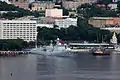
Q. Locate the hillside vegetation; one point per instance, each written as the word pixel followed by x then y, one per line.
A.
pixel 19 12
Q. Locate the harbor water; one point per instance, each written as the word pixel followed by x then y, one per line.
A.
pixel 81 67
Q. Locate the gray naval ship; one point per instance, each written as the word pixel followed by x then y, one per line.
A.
pixel 57 50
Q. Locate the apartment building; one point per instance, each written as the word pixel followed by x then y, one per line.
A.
pixel 13 29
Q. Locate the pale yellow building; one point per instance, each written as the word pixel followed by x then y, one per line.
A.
pixel 37 6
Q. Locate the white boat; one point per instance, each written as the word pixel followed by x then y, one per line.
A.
pixel 57 50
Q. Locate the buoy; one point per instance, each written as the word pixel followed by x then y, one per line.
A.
pixel 11 74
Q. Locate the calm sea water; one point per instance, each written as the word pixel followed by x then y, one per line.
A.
pixel 82 67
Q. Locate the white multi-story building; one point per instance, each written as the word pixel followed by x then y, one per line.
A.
pixel 65 23
pixel 13 29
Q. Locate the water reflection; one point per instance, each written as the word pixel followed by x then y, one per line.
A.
pixel 82 67
pixel 22 68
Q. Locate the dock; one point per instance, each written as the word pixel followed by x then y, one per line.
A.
pixel 13 53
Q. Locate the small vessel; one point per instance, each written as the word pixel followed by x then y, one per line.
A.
pixel 57 50
pixel 100 51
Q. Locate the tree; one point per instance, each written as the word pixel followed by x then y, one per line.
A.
pixel 13 44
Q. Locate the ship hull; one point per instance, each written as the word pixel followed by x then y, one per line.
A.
pixel 61 53
pixel 101 52
pixel 95 54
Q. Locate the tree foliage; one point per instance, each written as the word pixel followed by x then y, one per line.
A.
pixel 19 12
pixel 82 32
pixel 16 44
pixel 88 10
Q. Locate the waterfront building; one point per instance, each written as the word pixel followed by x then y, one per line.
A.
pixel 65 23
pixel 13 29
